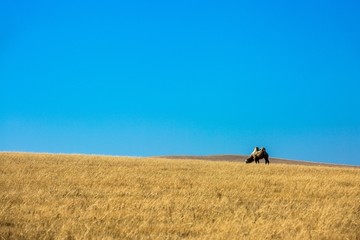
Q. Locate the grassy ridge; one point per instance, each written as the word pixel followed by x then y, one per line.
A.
pixel 75 196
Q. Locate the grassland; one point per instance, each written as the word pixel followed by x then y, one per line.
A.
pixel 45 196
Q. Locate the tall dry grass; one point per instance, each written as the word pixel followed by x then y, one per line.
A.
pixel 46 196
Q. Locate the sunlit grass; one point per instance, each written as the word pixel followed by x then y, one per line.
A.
pixel 46 196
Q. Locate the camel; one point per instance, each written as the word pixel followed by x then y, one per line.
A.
pixel 258 154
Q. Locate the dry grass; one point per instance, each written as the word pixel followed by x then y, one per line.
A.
pixel 93 197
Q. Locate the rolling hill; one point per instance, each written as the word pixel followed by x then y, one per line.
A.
pixel 241 158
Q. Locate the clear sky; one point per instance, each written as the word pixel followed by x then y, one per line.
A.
pixel 181 77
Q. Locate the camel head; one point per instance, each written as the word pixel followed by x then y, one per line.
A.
pixel 249 160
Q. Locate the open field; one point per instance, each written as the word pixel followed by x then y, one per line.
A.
pixel 50 196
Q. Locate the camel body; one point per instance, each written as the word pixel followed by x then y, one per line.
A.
pixel 258 154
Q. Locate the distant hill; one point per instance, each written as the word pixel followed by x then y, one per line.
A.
pixel 241 158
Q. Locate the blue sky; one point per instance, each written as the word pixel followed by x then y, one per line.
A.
pixel 181 77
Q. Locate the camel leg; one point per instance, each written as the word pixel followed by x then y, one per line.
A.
pixel 267 161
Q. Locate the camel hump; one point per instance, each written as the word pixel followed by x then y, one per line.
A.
pixel 256 149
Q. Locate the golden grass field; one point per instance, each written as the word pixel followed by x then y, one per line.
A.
pixel 52 196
